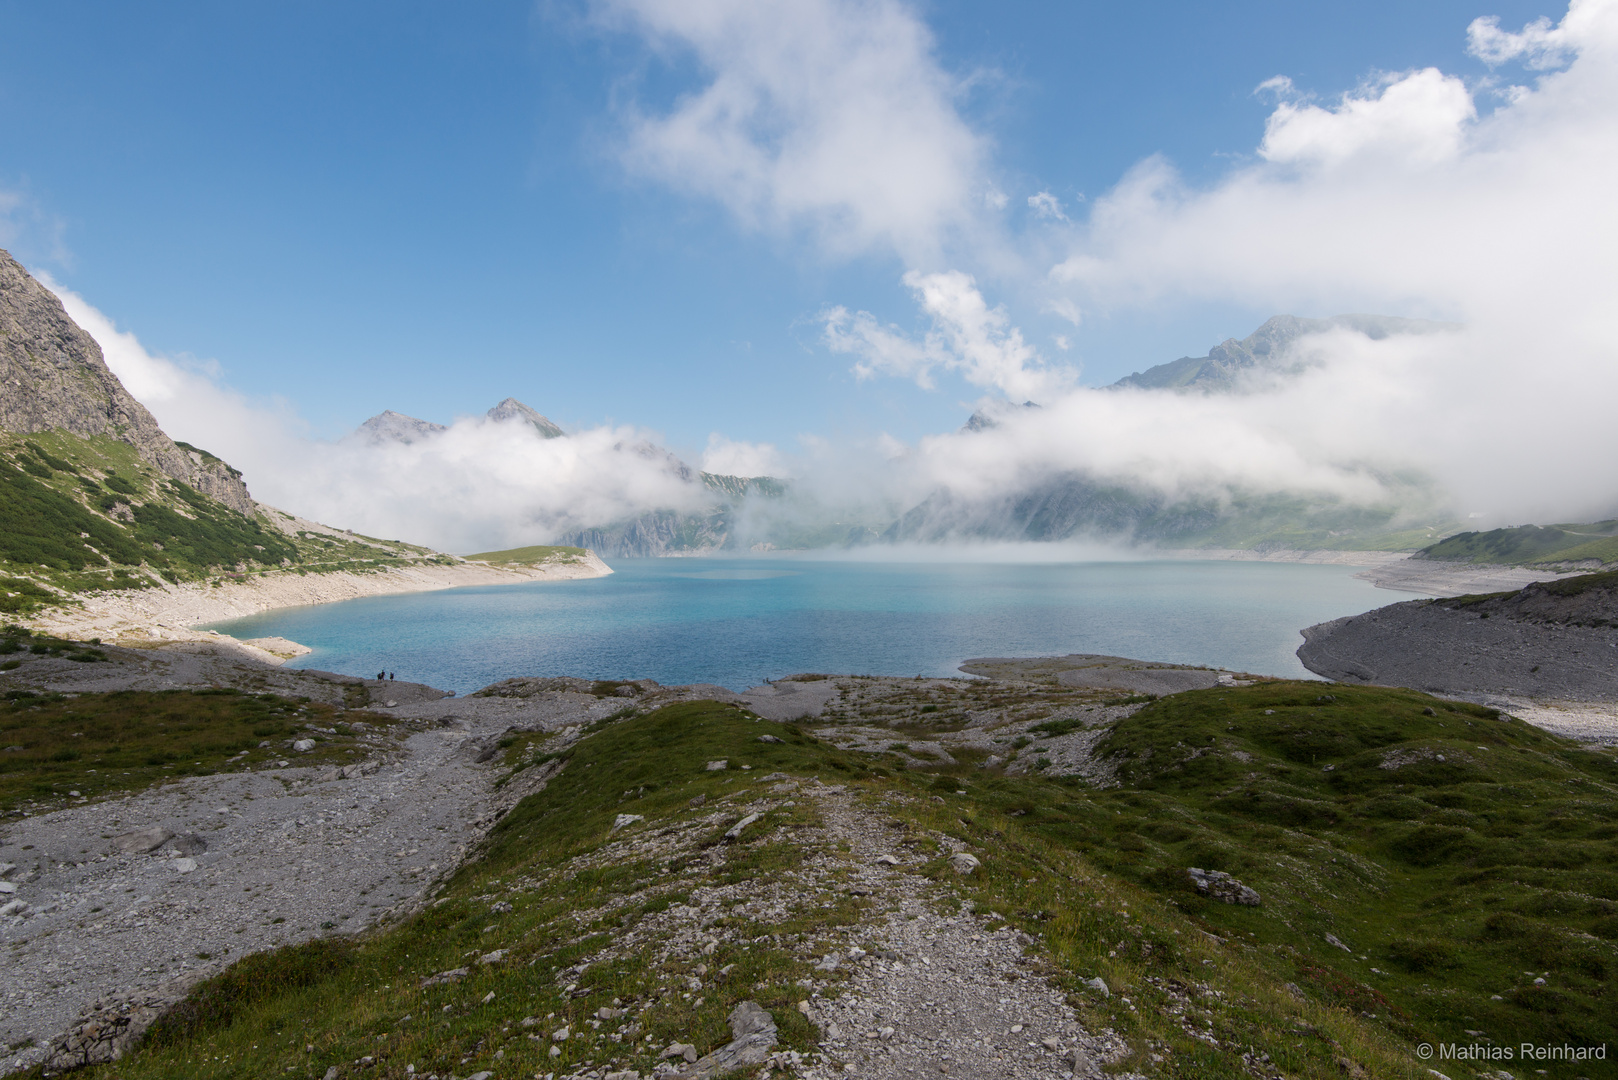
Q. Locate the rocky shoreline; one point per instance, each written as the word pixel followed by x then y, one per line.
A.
pixel 166 613
pixel 1547 652
pixel 1397 571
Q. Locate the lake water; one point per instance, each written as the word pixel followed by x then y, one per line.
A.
pixel 738 621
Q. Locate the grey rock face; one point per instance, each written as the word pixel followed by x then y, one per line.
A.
pixel 55 378
pixel 109 1029
pixel 658 533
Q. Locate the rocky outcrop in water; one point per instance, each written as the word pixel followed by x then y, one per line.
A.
pixel 55 378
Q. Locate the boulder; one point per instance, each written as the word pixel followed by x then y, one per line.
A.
pixel 1221 886
pixel 963 863
pixel 735 831
pixel 104 1033
pixel 140 841
pixel 753 1034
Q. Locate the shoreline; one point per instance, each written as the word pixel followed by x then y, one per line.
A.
pixel 166 614
pixel 1396 571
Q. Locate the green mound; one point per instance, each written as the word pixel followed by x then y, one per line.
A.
pixel 529 556
pixel 1530 545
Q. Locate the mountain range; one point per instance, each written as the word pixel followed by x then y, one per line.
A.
pixel 92 489
pixel 764 513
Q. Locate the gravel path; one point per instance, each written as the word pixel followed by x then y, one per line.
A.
pixel 937 994
pixel 917 985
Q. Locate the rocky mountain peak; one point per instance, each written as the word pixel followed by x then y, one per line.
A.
pixel 1265 348
pixel 512 409
pixel 389 426
pixel 55 378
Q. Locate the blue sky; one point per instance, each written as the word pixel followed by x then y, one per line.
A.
pixel 428 206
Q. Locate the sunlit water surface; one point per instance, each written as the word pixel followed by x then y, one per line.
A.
pixel 736 622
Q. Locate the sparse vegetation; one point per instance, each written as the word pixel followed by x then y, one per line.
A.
pixel 55 747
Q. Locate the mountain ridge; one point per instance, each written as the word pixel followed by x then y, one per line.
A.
pixel 1225 364
pixel 57 379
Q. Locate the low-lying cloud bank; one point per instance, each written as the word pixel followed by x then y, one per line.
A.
pixel 479 485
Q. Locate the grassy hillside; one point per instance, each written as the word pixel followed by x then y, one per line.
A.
pixel 81 515
pixel 1457 856
pixel 1532 545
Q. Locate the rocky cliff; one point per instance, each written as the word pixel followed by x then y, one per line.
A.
pixel 56 379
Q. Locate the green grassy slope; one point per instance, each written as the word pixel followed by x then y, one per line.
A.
pixel 1452 850
pixel 1458 855
pixel 81 515
pixel 1530 545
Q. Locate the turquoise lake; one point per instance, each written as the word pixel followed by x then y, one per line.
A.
pixel 738 621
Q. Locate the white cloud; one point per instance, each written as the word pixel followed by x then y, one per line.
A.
pixel 830 115
pixel 1401 198
pixel 478 486
pixel 1538 44
pixel 1046 205
pixel 967 336
pixel 728 457
pixel 1420 116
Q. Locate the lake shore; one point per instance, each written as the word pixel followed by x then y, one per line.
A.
pixel 1397 571
pixel 146 618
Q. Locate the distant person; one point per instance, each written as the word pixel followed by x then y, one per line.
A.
pixel 390 674
pixel 381 675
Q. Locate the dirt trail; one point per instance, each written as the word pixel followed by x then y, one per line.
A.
pixel 939 993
